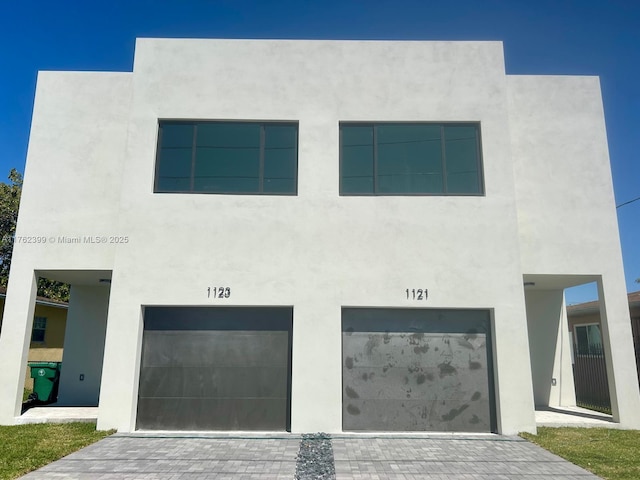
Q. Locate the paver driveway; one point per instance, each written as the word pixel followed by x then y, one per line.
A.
pixel 449 457
pixel 442 457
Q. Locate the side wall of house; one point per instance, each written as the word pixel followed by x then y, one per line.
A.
pixel 566 208
pixel 71 191
pixel 583 320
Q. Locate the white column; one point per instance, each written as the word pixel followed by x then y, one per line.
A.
pixel 316 384
pixel 515 407
pixel 566 386
pixel 121 367
pixel 83 346
pixel 549 346
pixel 15 340
pixel 619 353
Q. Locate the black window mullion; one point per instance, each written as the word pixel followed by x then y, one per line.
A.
pixel 478 160
pixel 193 158
pixel 295 170
pixel 375 159
pixel 261 168
pixel 159 153
pixel 444 162
pixel 340 159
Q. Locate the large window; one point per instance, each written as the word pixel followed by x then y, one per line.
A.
pixel 227 157
pixel 410 159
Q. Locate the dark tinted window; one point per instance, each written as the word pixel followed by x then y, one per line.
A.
pixel 410 159
pixel 227 157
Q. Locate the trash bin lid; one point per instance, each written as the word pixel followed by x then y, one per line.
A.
pixel 44 364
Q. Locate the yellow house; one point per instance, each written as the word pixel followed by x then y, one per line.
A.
pixel 47 336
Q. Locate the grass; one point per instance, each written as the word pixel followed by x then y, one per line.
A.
pixel 24 448
pixel 25 394
pixel 610 454
pixel 596 408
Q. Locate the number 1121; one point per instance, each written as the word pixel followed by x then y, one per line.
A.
pixel 417 294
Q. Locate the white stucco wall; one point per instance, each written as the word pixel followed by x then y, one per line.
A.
pixel 551 368
pixel 566 207
pixel 561 160
pixel 316 251
pixel 71 188
pixel 81 373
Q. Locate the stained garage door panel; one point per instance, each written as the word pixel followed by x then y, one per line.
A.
pixel 400 383
pixel 413 351
pixel 212 414
pixel 213 382
pixel 416 369
pixel 417 415
pixel 192 348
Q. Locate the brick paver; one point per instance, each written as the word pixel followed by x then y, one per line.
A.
pixel 450 458
pixel 150 458
pixel 435 457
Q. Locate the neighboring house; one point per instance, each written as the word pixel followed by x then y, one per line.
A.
pixel 47 334
pixel 586 329
pixel 317 236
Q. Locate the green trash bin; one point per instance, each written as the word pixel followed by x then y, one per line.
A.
pixel 46 376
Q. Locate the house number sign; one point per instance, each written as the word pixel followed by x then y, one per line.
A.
pixel 218 292
pixel 417 293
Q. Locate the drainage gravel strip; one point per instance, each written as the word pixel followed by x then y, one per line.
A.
pixel 315 458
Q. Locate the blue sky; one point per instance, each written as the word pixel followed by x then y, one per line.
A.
pixel 578 37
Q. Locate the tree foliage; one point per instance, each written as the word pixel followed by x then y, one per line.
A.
pixel 53 290
pixel 9 204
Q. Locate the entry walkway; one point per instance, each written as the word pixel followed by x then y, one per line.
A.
pixel 52 414
pixel 573 417
pixel 201 456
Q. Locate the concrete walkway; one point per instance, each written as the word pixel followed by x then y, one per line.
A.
pixel 201 456
pixel 573 417
pixel 54 414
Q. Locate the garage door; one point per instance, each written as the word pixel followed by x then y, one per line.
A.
pixel 417 370
pixel 215 369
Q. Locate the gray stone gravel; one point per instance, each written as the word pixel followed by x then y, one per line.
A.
pixel 315 458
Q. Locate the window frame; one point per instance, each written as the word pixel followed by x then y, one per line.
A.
pixel 597 352
pixel 480 164
pixel 195 123
pixel 38 328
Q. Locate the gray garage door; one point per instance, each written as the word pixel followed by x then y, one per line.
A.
pixel 215 369
pixel 417 370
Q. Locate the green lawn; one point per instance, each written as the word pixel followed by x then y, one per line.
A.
pixel 24 448
pixel 610 454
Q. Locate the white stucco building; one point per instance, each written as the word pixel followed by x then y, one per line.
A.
pixel 317 236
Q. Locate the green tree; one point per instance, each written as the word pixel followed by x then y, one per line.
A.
pixel 9 204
